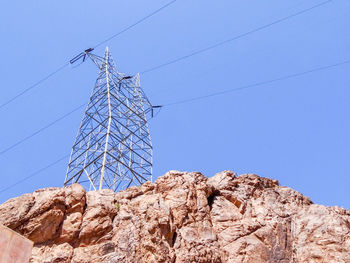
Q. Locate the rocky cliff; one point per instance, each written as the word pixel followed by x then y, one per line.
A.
pixel 182 217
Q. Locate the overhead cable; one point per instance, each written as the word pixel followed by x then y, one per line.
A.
pixel 194 99
pixel 81 55
pixel 34 174
pixel 40 130
pixel 136 23
pixel 33 86
pixel 236 37
pixel 295 75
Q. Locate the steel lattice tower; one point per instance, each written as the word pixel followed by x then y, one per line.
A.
pixel 113 146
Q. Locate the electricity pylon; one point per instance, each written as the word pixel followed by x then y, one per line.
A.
pixel 113 146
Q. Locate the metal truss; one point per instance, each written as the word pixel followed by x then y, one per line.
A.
pixel 113 146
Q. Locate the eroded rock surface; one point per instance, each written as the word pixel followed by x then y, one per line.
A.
pixel 182 217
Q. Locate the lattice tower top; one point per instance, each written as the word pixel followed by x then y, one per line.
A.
pixel 113 146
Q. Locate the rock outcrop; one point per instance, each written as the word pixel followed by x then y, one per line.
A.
pixel 182 217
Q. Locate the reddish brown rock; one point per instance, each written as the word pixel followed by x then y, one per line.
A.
pixel 98 216
pixel 70 228
pixel 182 217
pixel 52 253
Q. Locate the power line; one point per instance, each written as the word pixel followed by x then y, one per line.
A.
pixel 82 53
pixel 259 83
pixel 34 174
pixel 172 61
pixel 294 75
pixel 40 130
pixel 236 37
pixel 190 100
pixel 163 65
pixel 34 85
pixel 136 23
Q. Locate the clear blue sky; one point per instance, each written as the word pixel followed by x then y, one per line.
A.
pixel 296 131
